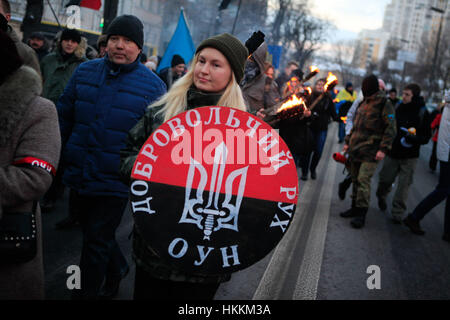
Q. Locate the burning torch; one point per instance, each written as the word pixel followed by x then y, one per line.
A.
pixel 299 87
pixel 331 82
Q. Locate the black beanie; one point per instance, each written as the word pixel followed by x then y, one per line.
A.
pixel 232 48
pixel 71 34
pixel 370 86
pixel 297 73
pixel 176 60
pixel 128 26
pixel 37 35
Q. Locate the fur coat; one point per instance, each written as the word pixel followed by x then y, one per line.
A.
pixel 28 128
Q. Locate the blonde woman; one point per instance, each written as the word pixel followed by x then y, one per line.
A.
pixel 213 79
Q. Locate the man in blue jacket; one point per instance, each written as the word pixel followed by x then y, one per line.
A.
pixel 103 100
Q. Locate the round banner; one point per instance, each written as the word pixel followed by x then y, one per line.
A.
pixel 213 190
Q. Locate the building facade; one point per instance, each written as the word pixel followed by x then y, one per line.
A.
pixel 370 48
pixel 413 23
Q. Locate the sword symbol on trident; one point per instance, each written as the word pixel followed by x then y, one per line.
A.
pixel 215 215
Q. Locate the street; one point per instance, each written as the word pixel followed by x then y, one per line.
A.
pixel 320 257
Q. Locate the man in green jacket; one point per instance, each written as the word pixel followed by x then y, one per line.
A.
pixel 57 68
pixel 371 137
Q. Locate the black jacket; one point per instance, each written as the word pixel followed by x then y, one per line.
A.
pixel 297 134
pixel 322 112
pixel 411 115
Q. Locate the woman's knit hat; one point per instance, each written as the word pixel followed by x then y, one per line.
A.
pixel 232 48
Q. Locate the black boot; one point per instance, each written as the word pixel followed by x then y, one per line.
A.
pixel 350 213
pixel 343 187
pixel 360 219
pixel 413 225
pixel 111 286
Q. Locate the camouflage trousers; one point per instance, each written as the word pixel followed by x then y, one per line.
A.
pixel 404 169
pixel 362 173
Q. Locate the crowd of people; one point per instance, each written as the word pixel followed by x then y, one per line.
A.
pixel 70 121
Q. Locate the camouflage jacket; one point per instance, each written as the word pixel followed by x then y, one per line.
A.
pixel 143 254
pixel 374 129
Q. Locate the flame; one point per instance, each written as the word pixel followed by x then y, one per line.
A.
pixel 344 119
pixel 331 79
pixel 309 90
pixel 291 103
pixel 314 69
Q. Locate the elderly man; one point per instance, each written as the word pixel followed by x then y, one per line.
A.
pixel 103 100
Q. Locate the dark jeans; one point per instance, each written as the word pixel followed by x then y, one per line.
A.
pixel 101 256
pixel 310 161
pixel 439 194
pixel 433 157
pixel 147 287
pixel 341 132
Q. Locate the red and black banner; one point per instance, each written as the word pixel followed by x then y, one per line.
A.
pixel 213 190
pixel 91 4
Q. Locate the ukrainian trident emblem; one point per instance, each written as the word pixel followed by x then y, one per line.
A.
pixel 211 214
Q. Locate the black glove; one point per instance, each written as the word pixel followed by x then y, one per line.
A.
pixel 254 41
pixel 412 139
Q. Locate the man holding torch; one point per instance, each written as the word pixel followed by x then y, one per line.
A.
pixel 322 108
pixel 371 137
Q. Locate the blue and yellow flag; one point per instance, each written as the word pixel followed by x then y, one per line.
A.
pixel 181 44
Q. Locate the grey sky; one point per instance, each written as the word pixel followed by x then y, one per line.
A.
pixel 351 16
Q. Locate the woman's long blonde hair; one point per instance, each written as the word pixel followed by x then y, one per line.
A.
pixel 175 100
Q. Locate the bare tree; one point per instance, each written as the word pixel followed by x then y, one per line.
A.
pixel 300 33
pixel 422 70
pixel 342 51
pixel 283 7
pixel 390 53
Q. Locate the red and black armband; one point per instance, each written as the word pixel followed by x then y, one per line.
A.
pixel 35 162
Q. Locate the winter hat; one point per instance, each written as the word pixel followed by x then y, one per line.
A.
pixel 176 60
pixel 415 89
pixel 370 86
pixel 102 41
pixel 37 35
pixel 128 26
pixel 232 48
pixel 297 73
pixel 71 34
pixel 348 84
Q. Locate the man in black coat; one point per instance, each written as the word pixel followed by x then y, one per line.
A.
pixel 413 130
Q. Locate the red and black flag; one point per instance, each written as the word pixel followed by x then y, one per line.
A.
pixel 213 190
pixel 91 4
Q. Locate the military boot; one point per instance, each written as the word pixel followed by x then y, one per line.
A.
pixel 360 219
pixel 343 186
pixel 350 213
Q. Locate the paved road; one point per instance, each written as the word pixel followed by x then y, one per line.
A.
pixel 320 257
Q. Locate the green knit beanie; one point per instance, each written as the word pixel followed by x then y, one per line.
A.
pixel 232 48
